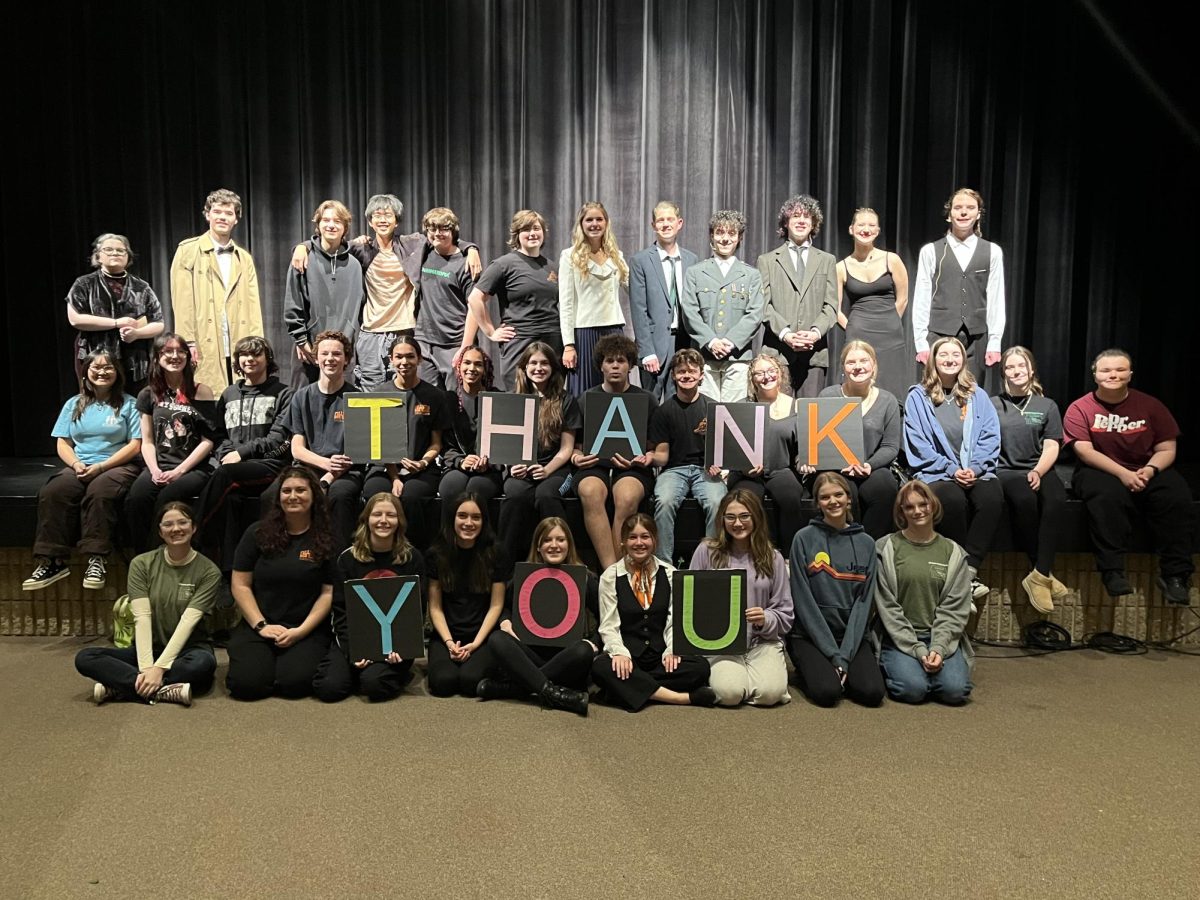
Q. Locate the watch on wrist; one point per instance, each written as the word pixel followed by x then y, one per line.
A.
pixel 261 625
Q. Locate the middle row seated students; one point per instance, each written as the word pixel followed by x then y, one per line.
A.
pixel 679 425
pixel 723 308
pixel 629 481
pixel 415 478
pixel 466 472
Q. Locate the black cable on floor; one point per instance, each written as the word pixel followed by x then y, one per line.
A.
pixel 1111 642
pixel 1047 636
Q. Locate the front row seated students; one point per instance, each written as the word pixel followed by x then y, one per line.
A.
pixel 758 676
pixel 556 676
pixel 253 446
pixel 628 480
pixel 637 664
pixel 534 492
pixel 952 443
pixel 98 436
pixel 415 478
pixel 316 420
pixel 171 589
pixel 1125 444
pixel 677 430
pixel 380 550
pixel 283 577
pixel 465 470
pixel 723 308
pixel 833 587
pixel 176 436
pixel 923 596
pixel 467 573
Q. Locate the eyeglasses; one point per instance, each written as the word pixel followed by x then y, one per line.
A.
pixel 114 251
pixel 173 351
pixel 437 229
pixel 743 518
pixel 383 214
pixel 101 370
pixel 764 374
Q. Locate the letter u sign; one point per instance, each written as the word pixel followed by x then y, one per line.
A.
pixel 709 612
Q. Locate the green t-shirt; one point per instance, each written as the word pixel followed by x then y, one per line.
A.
pixel 921 571
pixel 172 589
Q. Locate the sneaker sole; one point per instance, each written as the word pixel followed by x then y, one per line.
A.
pixel 93 584
pixel 28 585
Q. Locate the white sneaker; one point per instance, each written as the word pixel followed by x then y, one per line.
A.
pixel 180 692
pixel 100 693
pixel 979 590
pixel 96 574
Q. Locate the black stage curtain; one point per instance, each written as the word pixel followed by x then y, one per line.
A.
pixel 1065 115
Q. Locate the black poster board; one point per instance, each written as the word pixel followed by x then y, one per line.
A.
pixel 708 612
pixel 615 423
pixel 508 428
pixel 384 614
pixel 376 426
pixel 549 604
pixel 829 432
pixel 736 435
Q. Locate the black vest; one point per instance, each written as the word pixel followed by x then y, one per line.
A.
pixel 642 628
pixel 959 298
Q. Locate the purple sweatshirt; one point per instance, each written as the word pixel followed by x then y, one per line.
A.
pixel 772 594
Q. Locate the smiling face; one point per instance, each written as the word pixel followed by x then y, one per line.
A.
pixel 331 229
pixel 471 369
pixel 738 521
pixel 639 544
pixel 442 239
pixel 221 218
pixel 382 522
pixel 865 229
pixel 800 227
pixel 252 365
pixel 538 369
pixel 295 496
pixel 468 523
pixel 531 239
pixel 765 375
pixel 949 360
pixel 101 375
pixel 383 223
pixel 173 357
pixel 1113 373
pixel 916 509
pixel 593 223
pixel 176 529
pixel 405 360
pixel 687 377
pixel 1016 374
pixel 833 503
pixel 553 546
pixel 725 240
pixel 331 358
pixel 859 367
pixel 667 226
pixel 113 256
pixel 964 213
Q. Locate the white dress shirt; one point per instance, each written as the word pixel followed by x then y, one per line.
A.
pixel 923 292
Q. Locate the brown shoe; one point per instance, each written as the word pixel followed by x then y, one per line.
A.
pixel 1058 590
pixel 1039 591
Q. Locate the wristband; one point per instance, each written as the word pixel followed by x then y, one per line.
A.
pixel 261 625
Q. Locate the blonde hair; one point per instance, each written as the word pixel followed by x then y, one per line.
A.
pixel 931 382
pixel 580 248
pixel 360 548
pixel 865 348
pixel 785 377
pixel 1035 386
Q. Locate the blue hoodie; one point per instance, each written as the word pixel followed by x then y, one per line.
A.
pixel 833 587
pixel 929 452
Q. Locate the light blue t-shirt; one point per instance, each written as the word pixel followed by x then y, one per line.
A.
pixel 101 431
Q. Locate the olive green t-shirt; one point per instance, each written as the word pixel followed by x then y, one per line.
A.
pixel 921 577
pixel 172 589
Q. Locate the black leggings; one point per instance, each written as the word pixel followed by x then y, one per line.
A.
pixel 873 498
pixel 258 668
pixel 819 681
pixel 1036 517
pixel 788 493
pixel 336 679
pixel 445 677
pixel 970 515
pixel 533 667
pixel 648 676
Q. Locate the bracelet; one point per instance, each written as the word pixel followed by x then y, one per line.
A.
pixel 261 625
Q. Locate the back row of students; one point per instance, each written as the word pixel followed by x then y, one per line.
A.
pixel 432 285
pixel 293 640
pixel 975 452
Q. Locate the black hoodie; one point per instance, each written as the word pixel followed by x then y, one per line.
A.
pixel 250 421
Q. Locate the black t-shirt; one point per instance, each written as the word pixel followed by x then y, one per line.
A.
pixel 445 285
pixel 682 426
pixel 288 584
pixel 427 413
pixel 465 609
pixel 527 290
pixel 178 426
pixel 1025 424
pixel 319 417
pixel 630 390
pixel 381 566
pixel 572 421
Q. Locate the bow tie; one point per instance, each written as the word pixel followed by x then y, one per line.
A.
pixel 228 249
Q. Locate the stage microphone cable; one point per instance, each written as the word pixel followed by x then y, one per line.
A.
pixel 1047 636
pixel 1120 644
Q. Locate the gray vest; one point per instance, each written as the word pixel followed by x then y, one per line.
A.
pixel 959 298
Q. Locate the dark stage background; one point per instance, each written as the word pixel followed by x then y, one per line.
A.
pixel 1065 115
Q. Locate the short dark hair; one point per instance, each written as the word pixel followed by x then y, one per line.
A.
pixel 254 345
pixel 688 356
pixel 727 217
pixel 1111 351
pixel 223 195
pixel 615 345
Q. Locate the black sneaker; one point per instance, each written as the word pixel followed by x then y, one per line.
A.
pixel 1116 583
pixel 1175 590
pixel 703 696
pixel 47 572
pixel 96 574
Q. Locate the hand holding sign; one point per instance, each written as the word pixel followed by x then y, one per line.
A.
pixel 708 611
pixel 548 604
pixel 829 432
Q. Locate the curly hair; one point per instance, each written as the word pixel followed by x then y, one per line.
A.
pixel 580 248
pixel 487 383
pixel 617 345
pixel 223 195
pixel 554 394
pixel 762 551
pixel 785 375
pixel 801 203
pixel 273 537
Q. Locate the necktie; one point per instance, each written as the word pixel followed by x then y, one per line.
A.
pixel 798 259
pixel 673 293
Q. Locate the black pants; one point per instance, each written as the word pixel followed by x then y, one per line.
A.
pixel 970 515
pixel 527 502
pixel 336 679
pixel 219 503
pixel 418 489
pixel 145 499
pixel 648 676
pixel 532 667
pixel 873 498
pixel 345 501
pixel 446 677
pixel 1165 504
pixel 258 668
pixel 788 493
pixel 1036 516
pixel 486 484
pixel 819 681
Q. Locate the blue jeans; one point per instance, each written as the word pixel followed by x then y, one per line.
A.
pixel 117 668
pixel 671 490
pixel 908 682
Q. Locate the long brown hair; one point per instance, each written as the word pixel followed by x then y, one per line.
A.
pixel 360 547
pixel 837 478
pixel 762 551
pixel 273 536
pixel 158 378
pixel 550 418
pixel 1035 386
pixel 544 527
pixel 931 382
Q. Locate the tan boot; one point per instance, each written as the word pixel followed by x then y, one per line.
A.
pixel 1058 590
pixel 1039 591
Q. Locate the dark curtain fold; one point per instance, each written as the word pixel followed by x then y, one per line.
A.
pixel 1070 118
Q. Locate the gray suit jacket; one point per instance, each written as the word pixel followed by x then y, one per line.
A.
pixel 649 304
pixel 798 306
pixel 723 306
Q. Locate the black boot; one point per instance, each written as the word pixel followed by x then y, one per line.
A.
pixel 703 696
pixel 499 689
pixel 555 696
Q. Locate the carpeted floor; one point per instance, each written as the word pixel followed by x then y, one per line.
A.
pixel 1074 775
